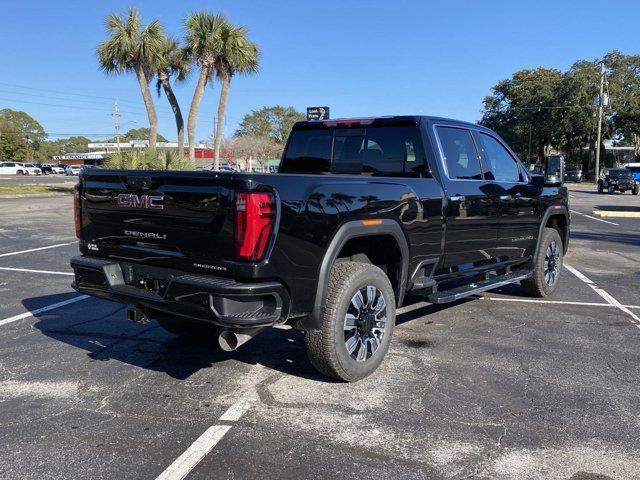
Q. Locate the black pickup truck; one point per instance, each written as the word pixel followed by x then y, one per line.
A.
pixel 362 213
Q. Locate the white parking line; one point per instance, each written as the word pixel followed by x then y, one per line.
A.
pixel 557 302
pixel 36 249
pixel 38 311
pixel 606 296
pixel 594 218
pixel 199 449
pixel 11 269
pixel 193 455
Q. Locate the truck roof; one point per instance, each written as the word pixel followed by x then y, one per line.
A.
pixel 379 121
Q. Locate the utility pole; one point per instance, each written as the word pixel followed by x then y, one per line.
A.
pixel 116 119
pixel 600 110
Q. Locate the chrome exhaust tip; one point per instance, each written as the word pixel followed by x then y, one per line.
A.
pixel 232 339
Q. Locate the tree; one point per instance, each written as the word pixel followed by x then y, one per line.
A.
pixel 522 105
pixel 254 148
pixel 26 127
pixel 237 55
pixel 134 48
pixel 270 122
pixel 175 63
pixel 141 134
pixel 203 44
pixel 623 84
pixel 13 145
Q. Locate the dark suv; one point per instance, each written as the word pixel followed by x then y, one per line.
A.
pixel 621 179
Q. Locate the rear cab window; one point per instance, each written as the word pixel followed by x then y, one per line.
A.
pixel 385 150
pixel 459 152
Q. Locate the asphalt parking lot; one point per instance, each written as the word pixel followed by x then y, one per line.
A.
pixel 500 387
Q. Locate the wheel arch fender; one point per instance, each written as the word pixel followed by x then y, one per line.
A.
pixel 347 231
pixel 552 211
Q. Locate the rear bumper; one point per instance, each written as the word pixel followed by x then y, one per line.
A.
pixel 217 300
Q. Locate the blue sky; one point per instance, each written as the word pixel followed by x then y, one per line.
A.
pixel 361 58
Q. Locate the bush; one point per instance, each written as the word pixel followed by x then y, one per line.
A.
pixel 148 159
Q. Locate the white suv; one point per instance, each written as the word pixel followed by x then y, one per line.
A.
pixel 15 168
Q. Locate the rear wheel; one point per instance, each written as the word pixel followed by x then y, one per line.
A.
pixel 187 329
pixel 547 265
pixel 600 187
pixel 611 189
pixel 357 323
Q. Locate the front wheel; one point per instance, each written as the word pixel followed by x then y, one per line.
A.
pixel 19 172
pixel 611 189
pixel 547 265
pixel 600 187
pixel 357 322
pixel 635 189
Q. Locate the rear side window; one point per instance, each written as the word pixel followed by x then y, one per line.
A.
pixel 459 153
pixel 499 161
pixel 384 151
pixel 309 151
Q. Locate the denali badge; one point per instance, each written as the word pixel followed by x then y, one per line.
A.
pixel 131 200
pixel 157 236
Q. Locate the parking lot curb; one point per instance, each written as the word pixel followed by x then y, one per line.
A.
pixel 615 214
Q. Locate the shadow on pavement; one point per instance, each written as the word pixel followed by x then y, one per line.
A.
pixel 620 238
pixel 618 208
pixel 99 327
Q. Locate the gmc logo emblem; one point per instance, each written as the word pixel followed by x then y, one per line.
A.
pixel 131 200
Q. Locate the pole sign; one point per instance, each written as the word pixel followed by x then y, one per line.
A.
pixel 317 113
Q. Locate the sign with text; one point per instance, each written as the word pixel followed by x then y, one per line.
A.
pixel 317 113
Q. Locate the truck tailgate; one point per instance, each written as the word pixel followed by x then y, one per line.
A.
pixel 180 218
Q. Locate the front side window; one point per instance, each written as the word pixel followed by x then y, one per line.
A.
pixel 459 153
pixel 501 164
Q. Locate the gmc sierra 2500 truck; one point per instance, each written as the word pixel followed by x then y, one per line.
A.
pixel 361 213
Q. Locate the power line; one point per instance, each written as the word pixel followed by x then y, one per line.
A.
pixel 24 87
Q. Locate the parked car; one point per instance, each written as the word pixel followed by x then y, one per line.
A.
pixel 573 173
pixel 13 168
pixel 635 169
pixel 18 168
pixel 361 213
pixel 73 169
pixel 33 169
pixel 48 169
pixel 620 179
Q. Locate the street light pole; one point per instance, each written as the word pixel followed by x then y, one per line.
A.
pixel 600 110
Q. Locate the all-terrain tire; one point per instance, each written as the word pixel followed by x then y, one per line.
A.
pixel 187 329
pixel 537 285
pixel 326 347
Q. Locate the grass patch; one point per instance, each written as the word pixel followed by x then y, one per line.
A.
pixel 33 190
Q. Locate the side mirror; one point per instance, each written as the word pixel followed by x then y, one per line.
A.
pixel 537 182
pixel 553 171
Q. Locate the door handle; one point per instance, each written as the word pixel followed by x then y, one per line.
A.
pixel 457 198
pixel 506 198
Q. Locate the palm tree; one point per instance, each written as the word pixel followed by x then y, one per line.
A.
pixel 132 48
pixel 175 63
pixel 203 44
pixel 237 55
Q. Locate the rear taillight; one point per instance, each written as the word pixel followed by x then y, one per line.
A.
pixel 77 217
pixel 255 216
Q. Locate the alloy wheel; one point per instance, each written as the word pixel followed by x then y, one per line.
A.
pixel 365 323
